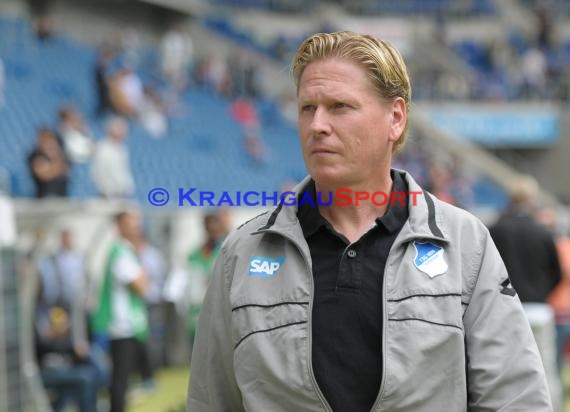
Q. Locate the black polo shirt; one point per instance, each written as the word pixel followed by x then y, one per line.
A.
pixel 347 309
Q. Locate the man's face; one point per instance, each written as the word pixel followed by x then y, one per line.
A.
pixel 130 225
pixel 66 239
pixel 118 131
pixel 214 227
pixel 47 141
pixel 346 130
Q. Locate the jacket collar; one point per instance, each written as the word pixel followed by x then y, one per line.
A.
pixel 426 215
pixel 424 221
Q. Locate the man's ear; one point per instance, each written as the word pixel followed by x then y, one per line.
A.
pixel 399 113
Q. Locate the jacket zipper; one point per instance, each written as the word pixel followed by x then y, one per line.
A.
pixel 397 243
pixel 376 405
pixel 320 395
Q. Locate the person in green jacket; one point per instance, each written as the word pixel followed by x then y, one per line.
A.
pixel 121 313
pixel 200 264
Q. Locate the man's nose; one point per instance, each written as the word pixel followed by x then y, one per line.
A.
pixel 320 124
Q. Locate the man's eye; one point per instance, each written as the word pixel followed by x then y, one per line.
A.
pixel 339 105
pixel 308 108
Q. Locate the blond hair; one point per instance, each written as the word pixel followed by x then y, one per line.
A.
pixel 384 64
pixel 524 190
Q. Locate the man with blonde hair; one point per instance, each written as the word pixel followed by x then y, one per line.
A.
pixel 363 292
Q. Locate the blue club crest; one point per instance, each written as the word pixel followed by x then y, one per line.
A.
pixel 430 259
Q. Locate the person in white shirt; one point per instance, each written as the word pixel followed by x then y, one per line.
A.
pixel 75 135
pixel 177 52
pixel 111 170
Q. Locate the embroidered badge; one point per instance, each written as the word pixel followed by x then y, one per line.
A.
pixel 430 259
pixel 264 267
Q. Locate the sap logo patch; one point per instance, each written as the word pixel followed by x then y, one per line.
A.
pixel 429 259
pixel 264 267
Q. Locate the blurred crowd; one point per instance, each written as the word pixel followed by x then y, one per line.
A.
pixel 100 338
pixel 521 64
pixel 534 243
pixel 132 92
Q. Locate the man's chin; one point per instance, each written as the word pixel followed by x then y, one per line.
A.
pixel 330 178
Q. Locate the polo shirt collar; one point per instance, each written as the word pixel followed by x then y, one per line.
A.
pixel 396 215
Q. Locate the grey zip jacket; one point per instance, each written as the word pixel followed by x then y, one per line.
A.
pixel 455 337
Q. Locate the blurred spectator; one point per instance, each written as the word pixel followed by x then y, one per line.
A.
pixel 152 113
pixel 63 274
pixel 177 53
pixel 154 264
pixel 126 91
pixel 244 112
pixel 544 25
pixel 413 160
pixel 213 73
pixel 460 186
pixel 75 136
pixel 534 73
pixel 200 264
pixel 111 168
pixel 244 77
pixel 121 312
pixel 130 46
pixel 527 248
pixel 440 183
pixel 152 353
pixel 254 147
pixel 44 28
pixel 452 86
pixel 226 218
pixel 559 299
pixel 104 57
pixel 64 356
pixel 531 259
pixel 48 165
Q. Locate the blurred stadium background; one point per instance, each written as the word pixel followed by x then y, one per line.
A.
pixel 491 84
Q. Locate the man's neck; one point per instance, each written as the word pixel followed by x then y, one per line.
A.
pixel 131 241
pixel 352 220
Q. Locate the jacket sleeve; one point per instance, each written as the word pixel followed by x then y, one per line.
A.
pixel 504 368
pixel 212 383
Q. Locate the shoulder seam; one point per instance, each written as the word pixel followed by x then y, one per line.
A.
pixel 477 264
pixel 255 217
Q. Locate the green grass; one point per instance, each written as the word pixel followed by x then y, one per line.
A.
pixel 170 394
